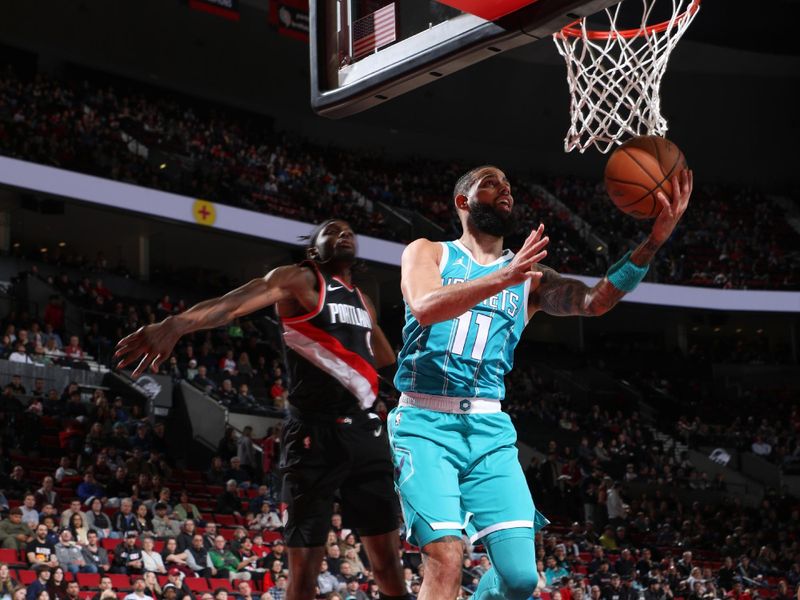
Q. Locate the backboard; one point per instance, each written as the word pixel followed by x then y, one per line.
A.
pixel 365 52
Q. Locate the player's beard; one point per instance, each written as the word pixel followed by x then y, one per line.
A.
pixel 489 221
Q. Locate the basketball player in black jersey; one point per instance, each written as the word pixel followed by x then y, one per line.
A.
pixel 330 442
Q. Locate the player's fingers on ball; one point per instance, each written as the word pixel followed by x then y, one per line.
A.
pixel 540 257
pixel 665 205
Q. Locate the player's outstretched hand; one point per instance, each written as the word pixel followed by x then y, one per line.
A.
pixel 532 252
pixel 672 211
pixel 153 343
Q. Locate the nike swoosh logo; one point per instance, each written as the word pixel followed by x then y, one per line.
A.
pixel 333 288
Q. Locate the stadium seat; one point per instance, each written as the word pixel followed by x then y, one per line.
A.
pixel 10 557
pixel 197 584
pixel 120 582
pixel 88 580
pixel 26 577
pixel 110 543
pixel 225 520
pixel 221 583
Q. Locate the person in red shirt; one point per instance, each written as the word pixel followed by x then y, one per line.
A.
pixel 74 351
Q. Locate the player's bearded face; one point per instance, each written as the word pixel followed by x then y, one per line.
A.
pixel 487 219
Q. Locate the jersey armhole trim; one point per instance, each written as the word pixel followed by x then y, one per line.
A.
pixel 320 302
pixel 445 257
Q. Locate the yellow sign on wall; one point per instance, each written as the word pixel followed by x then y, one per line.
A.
pixel 204 212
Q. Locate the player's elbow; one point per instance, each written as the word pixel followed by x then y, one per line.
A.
pixel 422 312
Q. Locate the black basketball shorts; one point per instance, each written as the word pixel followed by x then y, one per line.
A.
pixel 338 458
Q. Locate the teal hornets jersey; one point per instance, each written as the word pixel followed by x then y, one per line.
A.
pixel 468 356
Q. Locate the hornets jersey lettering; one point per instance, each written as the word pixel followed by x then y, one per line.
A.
pixel 331 366
pixel 470 355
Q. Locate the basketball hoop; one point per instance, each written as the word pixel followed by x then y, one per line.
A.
pixel 615 74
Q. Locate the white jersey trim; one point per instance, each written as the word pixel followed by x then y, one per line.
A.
pixel 334 366
pixel 498 527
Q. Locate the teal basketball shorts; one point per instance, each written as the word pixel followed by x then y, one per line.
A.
pixel 458 472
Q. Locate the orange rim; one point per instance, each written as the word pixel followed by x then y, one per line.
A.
pixel 576 32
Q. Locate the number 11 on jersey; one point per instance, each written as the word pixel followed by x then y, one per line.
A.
pixel 482 322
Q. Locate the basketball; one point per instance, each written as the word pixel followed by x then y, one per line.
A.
pixel 638 170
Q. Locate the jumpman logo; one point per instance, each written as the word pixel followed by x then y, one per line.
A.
pixel 459 262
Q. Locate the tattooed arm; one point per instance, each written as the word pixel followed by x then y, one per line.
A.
pixel 562 296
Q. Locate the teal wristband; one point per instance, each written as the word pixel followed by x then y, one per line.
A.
pixel 625 275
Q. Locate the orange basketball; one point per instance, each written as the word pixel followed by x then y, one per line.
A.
pixel 638 169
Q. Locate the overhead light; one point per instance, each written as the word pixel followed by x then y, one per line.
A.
pixel 42 250
pixel 62 244
pixel 162 166
pixel 759 330
pixel 15 244
pixel 738 330
pixel 599 248
pixel 716 329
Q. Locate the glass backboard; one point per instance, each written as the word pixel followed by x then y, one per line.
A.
pixel 365 52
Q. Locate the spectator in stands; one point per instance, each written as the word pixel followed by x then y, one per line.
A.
pixel 326 581
pixel 209 535
pixel 142 523
pixel 74 508
pixel 70 556
pixel 761 447
pixel 245 591
pixel 15 485
pixel 138 592
pixel 97 520
pixel 57 586
pixel 20 355
pixel 173 559
pixel 163 526
pixel 151 560
pixel 89 488
pixel 124 520
pixel 120 487
pixel 185 509
pixel 15 534
pixel 106 590
pixel 616 590
pixel 39 550
pixel 74 351
pixel 151 586
pixel 38 585
pixel 266 519
pixel 227 394
pixel 7 583
pixel 227 563
pixel 246 452
pixel 73 590
pixel 47 493
pixel 78 529
pixel 245 398
pixel 29 513
pixel 128 556
pixel 217 475
pixel 229 502
pixel 184 539
pixel 202 381
pixel 65 469
pixel 198 559
pixel 237 473
pixel 352 590
pixel 94 554
pixel 278 553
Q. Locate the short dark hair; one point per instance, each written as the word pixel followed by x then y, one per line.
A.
pixel 468 179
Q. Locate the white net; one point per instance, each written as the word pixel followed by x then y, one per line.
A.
pixel 615 75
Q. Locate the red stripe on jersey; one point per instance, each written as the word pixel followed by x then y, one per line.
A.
pixel 350 369
pixel 320 302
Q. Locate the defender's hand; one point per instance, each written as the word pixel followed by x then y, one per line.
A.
pixel 153 343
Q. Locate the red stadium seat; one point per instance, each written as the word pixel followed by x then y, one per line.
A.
pixel 88 580
pixel 110 543
pixel 26 577
pixel 86 595
pixel 197 584
pixel 120 582
pixel 221 583
pixel 225 520
pixel 10 557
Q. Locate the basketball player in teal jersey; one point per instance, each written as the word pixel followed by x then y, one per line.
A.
pixel 467 302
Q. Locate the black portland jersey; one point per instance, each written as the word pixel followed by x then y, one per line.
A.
pixel 330 356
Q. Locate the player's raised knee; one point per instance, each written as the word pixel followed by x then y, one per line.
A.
pixel 519 582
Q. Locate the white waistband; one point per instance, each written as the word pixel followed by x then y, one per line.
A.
pixel 447 404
